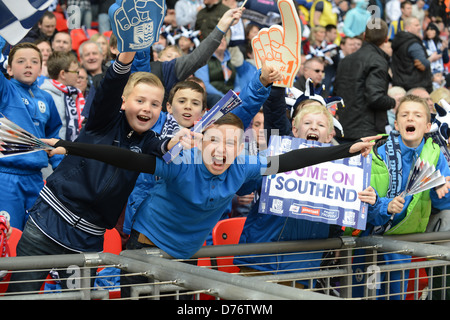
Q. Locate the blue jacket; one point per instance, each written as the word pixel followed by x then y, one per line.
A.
pixel 253 96
pixel 34 111
pixel 181 227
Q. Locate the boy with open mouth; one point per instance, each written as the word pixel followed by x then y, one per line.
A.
pixel 391 163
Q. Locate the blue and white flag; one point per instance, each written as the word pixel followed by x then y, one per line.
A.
pixel 17 17
pixel 326 192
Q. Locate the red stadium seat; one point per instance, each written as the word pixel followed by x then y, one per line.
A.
pixel 61 22
pixel 227 231
pixel 12 244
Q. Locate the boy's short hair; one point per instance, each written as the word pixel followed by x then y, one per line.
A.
pixel 58 61
pixel 315 108
pixel 188 84
pixel 232 120
pixel 23 45
pixel 413 98
pixel 141 77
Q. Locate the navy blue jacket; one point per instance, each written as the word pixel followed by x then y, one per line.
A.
pixel 90 189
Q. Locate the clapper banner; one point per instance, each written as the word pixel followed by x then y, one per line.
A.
pixel 327 192
pixel 17 17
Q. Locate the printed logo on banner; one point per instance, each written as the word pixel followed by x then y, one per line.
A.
pixel 277 206
pixel 349 218
pixel 314 212
pixel 285 145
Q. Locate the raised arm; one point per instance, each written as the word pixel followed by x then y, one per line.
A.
pixel 300 158
pixel 188 64
pixel 120 157
pixel 275 117
pixel 108 96
pixel 255 93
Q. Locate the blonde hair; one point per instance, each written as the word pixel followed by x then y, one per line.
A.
pixel 314 109
pixel 141 77
pixel 302 104
pixel 396 90
pixel 440 93
pixel 413 98
pixel 172 47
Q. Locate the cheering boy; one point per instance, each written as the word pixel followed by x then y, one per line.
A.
pixel 84 197
pixel 177 218
pixel 24 103
pixel 391 163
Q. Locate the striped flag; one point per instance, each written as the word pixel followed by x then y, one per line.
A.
pixel 17 17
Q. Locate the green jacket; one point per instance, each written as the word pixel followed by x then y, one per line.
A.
pixel 216 77
pixel 419 209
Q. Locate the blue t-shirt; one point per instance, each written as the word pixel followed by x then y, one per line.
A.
pixel 186 204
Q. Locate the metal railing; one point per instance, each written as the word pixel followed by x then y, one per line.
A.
pixel 171 278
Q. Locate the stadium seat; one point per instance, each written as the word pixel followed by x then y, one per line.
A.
pixel 61 22
pixel 227 231
pixel 422 279
pixel 12 244
pixel 14 240
pixel 107 34
pixel 78 37
pixel 112 242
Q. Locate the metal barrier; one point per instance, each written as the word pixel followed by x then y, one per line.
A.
pixel 424 276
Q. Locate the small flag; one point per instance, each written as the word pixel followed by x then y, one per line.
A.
pixel 17 17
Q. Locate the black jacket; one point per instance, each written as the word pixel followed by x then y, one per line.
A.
pixel 404 73
pixel 93 190
pixel 362 81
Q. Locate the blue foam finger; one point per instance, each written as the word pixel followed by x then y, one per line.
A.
pixel 136 23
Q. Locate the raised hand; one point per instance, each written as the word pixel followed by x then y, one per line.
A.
pixel 229 18
pixel 136 23
pixel 365 146
pixel 280 46
pixel 269 73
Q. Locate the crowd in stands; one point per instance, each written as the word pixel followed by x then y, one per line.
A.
pixel 380 68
